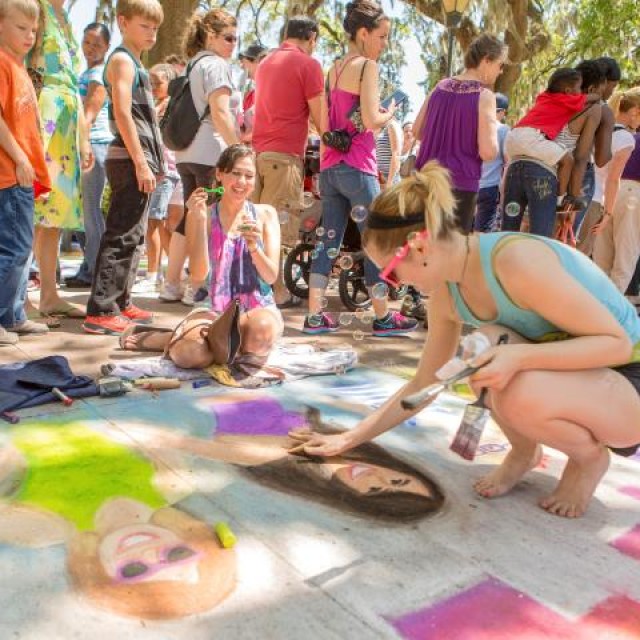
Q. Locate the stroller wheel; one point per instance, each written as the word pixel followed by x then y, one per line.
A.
pixel 351 287
pixel 297 268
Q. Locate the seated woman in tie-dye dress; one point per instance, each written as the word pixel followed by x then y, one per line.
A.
pixel 244 252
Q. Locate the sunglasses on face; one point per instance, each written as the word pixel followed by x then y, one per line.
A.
pixel 388 274
pixel 135 570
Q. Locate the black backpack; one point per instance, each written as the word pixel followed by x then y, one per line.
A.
pixel 181 120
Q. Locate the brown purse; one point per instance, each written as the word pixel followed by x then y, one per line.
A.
pixel 223 335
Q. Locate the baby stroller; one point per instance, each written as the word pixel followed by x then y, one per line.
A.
pixel 348 265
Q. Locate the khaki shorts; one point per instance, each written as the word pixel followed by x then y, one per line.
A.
pixel 530 143
pixel 279 183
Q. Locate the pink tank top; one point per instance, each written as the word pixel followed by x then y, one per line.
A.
pixel 362 154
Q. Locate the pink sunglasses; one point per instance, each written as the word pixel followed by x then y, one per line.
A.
pixel 388 274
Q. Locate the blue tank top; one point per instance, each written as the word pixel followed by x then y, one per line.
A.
pixel 530 324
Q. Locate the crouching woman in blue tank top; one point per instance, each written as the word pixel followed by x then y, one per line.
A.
pixel 569 377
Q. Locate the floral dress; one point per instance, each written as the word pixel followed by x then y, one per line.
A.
pixel 59 64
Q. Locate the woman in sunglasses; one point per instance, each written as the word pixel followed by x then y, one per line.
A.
pixel 569 377
pixel 209 42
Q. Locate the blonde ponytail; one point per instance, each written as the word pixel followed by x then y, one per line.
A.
pixel 623 101
pixel 428 192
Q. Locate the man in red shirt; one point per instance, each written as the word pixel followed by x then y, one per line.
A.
pixel 289 87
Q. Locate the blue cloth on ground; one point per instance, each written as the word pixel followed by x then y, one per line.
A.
pixel 29 384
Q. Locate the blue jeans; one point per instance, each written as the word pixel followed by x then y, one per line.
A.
pixel 487 209
pixel 93 183
pixel 588 189
pixel 16 238
pixel 529 185
pixel 341 188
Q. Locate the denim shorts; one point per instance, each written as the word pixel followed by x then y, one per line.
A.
pixel 161 197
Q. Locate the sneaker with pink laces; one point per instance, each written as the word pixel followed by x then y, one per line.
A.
pixel 320 323
pixel 393 325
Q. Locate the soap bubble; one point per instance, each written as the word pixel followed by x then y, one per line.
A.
pixel 346 262
pixel 512 209
pixel 345 319
pixel 323 303
pixel 307 199
pixel 367 317
pixel 283 216
pixel 359 314
pixel 314 254
pixel 379 291
pixel 319 246
pixel 359 213
pixel 358 335
pixel 333 253
pixel 320 232
pixel 331 234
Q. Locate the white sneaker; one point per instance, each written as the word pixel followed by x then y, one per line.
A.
pixel 146 285
pixel 188 296
pixel 170 292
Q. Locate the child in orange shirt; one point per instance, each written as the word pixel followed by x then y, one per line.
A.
pixel 23 173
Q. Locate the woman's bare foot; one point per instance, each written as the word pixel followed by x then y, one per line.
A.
pixel 508 474
pixel 577 485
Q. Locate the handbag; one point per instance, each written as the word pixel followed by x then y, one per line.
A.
pixel 223 335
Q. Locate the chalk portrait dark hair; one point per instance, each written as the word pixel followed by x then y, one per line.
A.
pixel 298 475
pixel 363 13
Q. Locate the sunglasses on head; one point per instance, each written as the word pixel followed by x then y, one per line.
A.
pixel 388 274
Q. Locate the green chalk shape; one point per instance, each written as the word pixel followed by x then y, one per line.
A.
pixel 225 535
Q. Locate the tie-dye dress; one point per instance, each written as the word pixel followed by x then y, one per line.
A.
pixel 59 102
pixel 233 274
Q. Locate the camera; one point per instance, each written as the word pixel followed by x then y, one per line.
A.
pixel 338 139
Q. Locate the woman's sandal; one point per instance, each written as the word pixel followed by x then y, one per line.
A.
pixel 65 310
pixel 50 321
pixel 141 330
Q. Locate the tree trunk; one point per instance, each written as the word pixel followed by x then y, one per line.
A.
pixel 176 15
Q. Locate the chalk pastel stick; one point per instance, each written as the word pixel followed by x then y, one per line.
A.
pixel 225 535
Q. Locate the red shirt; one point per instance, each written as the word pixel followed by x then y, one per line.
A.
pixel 552 111
pixel 285 80
pixel 249 100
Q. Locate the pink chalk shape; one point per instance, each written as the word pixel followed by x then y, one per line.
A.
pixel 629 543
pixel 491 610
pixel 616 618
pixel 632 492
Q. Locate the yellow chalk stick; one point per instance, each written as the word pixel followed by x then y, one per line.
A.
pixel 225 535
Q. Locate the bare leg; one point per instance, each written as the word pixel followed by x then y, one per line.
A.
pixel 197 249
pixel 46 241
pixel 565 167
pixel 177 256
pixel 154 247
pixel 575 412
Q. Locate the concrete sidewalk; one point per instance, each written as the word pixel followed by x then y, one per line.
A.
pixel 303 567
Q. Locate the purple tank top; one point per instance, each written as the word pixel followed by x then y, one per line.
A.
pixel 362 154
pixel 451 132
pixel 632 168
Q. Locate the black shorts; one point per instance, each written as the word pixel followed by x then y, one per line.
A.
pixel 631 372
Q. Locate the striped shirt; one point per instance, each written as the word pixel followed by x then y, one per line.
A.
pixel 144 118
